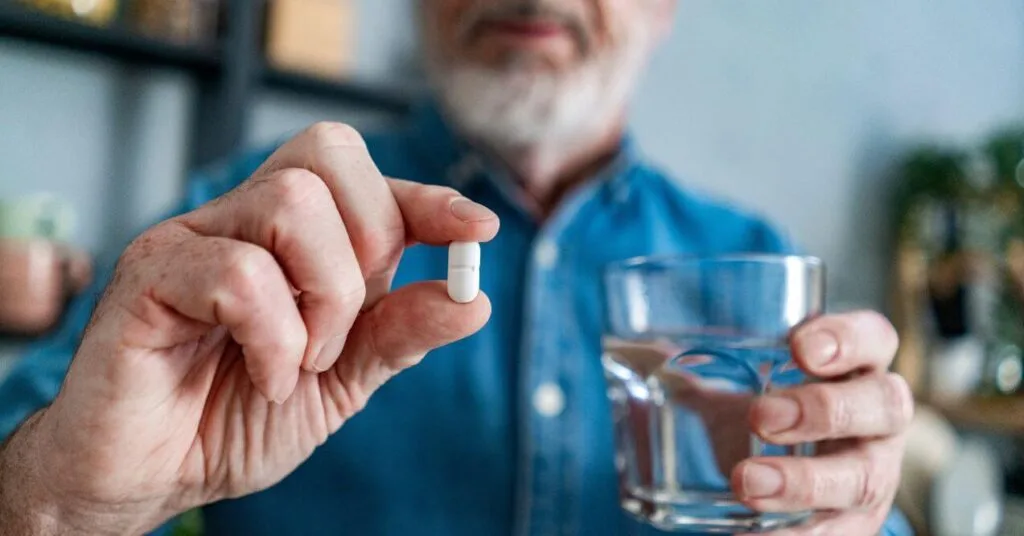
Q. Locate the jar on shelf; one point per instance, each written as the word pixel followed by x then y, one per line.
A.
pixel 99 12
pixel 39 269
pixel 312 37
pixel 181 21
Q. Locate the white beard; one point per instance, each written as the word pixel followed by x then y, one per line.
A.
pixel 518 107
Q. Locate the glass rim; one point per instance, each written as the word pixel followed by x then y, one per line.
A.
pixel 670 260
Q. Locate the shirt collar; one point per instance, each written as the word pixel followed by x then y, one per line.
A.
pixel 438 144
pixel 462 167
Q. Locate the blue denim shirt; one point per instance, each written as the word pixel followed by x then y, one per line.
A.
pixel 506 432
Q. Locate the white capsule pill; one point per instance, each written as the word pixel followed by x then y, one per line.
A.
pixel 463 271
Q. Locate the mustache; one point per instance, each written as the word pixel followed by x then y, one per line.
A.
pixel 473 24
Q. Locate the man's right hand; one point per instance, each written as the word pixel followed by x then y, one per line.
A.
pixel 233 340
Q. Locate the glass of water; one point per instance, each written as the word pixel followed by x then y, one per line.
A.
pixel 689 343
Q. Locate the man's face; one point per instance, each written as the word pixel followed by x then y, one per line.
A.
pixel 554 35
pixel 538 72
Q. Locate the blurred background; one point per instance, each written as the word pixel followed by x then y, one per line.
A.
pixel 884 136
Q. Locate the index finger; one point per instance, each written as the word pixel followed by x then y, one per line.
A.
pixel 834 345
pixel 379 213
pixel 336 153
pixel 437 215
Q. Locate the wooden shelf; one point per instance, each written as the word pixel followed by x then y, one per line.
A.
pixel 993 414
pixel 123 45
pixel 228 75
pixel 111 42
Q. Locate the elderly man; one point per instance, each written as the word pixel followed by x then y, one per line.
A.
pixel 234 339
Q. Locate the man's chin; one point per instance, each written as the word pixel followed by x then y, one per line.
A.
pixel 516 106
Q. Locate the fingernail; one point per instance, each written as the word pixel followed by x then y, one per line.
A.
pixel 818 348
pixel 470 212
pixel 284 391
pixel 778 414
pixel 329 353
pixel 761 481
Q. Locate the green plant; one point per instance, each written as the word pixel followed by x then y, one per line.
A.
pixel 1005 150
pixel 189 524
pixel 927 173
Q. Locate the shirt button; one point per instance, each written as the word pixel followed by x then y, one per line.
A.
pixel 549 400
pixel 546 254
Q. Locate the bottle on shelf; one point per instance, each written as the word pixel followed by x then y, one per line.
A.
pixel 39 268
pixel 98 12
pixel 312 37
pixel 179 21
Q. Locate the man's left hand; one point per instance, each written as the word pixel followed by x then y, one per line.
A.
pixel 859 415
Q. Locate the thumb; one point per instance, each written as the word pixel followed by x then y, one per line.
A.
pixel 414 320
pixel 395 334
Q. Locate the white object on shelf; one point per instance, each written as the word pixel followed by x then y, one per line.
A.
pixel 967 498
pixel 932 445
pixel 955 367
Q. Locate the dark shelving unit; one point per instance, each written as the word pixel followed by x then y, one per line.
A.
pixel 113 42
pixel 382 98
pixel 228 74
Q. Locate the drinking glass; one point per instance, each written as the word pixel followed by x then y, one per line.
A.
pixel 689 343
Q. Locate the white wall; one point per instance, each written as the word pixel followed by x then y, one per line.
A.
pixel 797 107
pixel 59 115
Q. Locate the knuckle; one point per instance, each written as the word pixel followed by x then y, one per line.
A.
pixel 142 247
pixel 802 485
pixel 331 134
pixel 138 253
pixel 244 267
pixel 876 320
pixel 898 400
pixel 883 329
pixel 147 249
pixel 836 414
pixel 293 189
pixel 874 325
pixel 293 193
pixel 887 327
pixel 824 485
pixel 870 483
pixel 443 191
